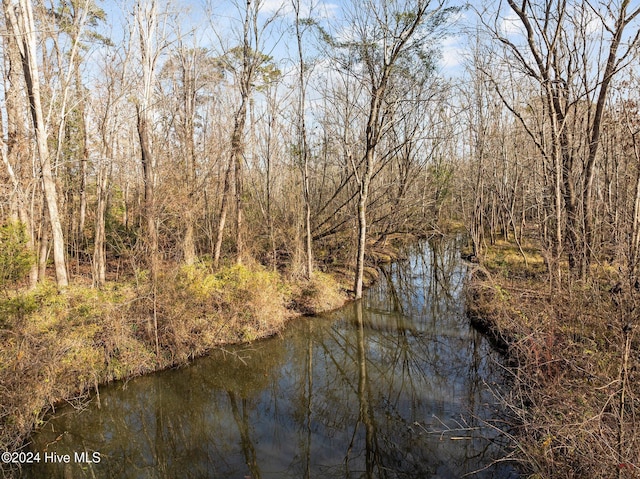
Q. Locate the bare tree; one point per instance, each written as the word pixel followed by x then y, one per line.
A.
pixel 556 53
pixel 303 147
pixel 71 20
pixel 244 61
pixel 146 16
pixel 622 17
pixel 384 35
pixel 21 18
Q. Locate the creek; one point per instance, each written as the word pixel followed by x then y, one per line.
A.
pixel 397 385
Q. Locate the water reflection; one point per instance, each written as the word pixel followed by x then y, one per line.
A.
pixel 389 387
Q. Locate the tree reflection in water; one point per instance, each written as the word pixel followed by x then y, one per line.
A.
pixel 391 386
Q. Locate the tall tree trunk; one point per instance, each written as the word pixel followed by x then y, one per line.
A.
pixel 99 248
pixel 148 167
pixel 83 162
pixel 146 16
pixel 237 137
pixel 237 155
pixel 372 137
pixel 23 25
pixel 188 73
pixel 188 242
pixel 362 231
pixel 224 209
pixel 304 147
pixel 236 159
pixel 17 150
pixel 82 214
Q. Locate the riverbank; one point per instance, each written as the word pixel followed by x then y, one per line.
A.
pixel 574 361
pixel 59 347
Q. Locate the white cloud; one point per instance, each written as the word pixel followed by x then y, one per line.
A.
pixel 309 8
pixel 273 6
pixel 511 25
pixel 453 52
pixel 326 10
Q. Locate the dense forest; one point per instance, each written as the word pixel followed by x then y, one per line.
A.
pixel 178 142
pixel 299 138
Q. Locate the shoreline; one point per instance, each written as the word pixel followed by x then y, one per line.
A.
pixel 95 337
pixel 61 347
pixel 572 357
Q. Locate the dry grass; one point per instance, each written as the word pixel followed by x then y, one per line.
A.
pixel 56 347
pixel 574 360
pixel 199 309
pixel 319 294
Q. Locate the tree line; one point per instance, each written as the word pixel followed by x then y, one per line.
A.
pixel 552 153
pixel 303 137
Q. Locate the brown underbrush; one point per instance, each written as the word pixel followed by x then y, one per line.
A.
pixel 573 356
pixel 59 346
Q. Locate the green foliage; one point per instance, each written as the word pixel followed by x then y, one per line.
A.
pixel 264 69
pixel 17 308
pixel 198 280
pixel 231 284
pixel 15 257
pixel 49 298
pixel 66 15
pixel 308 22
pixel 404 17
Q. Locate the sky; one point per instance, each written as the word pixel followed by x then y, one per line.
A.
pixel 215 21
pixel 217 25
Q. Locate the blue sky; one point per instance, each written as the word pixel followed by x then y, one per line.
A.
pixel 215 22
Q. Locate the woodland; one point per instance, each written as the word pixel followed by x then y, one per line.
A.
pixel 163 157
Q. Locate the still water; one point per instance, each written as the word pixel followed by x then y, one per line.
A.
pixel 395 386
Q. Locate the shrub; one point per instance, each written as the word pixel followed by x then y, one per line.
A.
pixel 15 257
pixel 198 309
